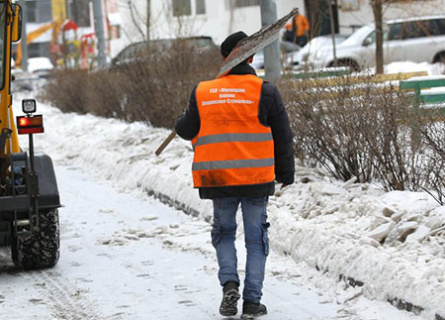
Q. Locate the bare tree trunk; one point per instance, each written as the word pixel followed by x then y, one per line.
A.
pixel 331 17
pixel 377 9
pixel 136 18
pixel 148 21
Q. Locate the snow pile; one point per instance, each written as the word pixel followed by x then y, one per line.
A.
pixel 391 244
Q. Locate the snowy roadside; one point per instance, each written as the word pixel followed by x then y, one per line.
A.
pixel 128 256
pixel 333 226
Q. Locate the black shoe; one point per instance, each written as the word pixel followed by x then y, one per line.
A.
pixel 253 310
pixel 230 299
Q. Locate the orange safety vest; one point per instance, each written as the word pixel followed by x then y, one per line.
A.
pixel 232 147
pixel 301 24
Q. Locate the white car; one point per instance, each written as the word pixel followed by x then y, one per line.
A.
pixel 287 49
pixel 311 48
pixel 420 39
pixel 40 66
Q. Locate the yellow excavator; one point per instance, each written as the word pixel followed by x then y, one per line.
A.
pixel 29 198
pixel 33 35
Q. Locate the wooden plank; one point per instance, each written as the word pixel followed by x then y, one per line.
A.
pixel 432 98
pixel 352 92
pixel 318 74
pixel 418 84
pixel 399 76
pixel 308 75
pixel 422 83
pixel 349 80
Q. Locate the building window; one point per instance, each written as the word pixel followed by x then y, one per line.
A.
pixel 200 7
pixel 31 7
pixel 80 12
pixel 182 8
pixel 45 12
pixel 246 3
pixel 39 11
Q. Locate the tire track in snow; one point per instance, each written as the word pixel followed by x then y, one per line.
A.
pixel 63 297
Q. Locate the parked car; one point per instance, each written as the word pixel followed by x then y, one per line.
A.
pixel 139 50
pixel 311 48
pixel 420 39
pixel 287 49
pixel 40 66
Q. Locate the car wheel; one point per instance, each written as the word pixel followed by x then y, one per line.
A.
pixel 440 57
pixel 351 64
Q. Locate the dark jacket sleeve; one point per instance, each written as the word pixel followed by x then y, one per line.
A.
pixel 188 124
pixel 273 114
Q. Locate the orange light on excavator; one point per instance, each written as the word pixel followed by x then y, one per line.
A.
pixel 24 122
pixel 30 125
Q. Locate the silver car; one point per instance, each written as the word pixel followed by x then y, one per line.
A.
pixel 287 49
pixel 299 59
pixel 420 39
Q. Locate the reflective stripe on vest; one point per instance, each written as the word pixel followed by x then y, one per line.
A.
pixel 232 147
pixel 233 164
pixel 232 137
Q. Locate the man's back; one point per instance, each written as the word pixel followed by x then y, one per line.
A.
pixel 270 113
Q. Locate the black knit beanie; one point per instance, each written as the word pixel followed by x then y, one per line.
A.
pixel 231 42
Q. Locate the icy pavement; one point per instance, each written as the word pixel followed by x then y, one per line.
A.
pixel 127 256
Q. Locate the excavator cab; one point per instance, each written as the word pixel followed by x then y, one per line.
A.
pixel 29 198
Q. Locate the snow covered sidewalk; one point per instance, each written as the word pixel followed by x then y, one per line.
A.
pixel 128 256
pixel 333 226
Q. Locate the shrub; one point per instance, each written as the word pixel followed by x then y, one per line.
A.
pixel 68 91
pixel 433 180
pixel 352 130
pixel 154 88
pixel 351 126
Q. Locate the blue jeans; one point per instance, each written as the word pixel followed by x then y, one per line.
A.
pixel 255 223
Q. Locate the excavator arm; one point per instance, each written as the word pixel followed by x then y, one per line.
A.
pixel 10 21
pixel 33 35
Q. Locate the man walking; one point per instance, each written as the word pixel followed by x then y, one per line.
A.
pixel 243 142
pixel 297 30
